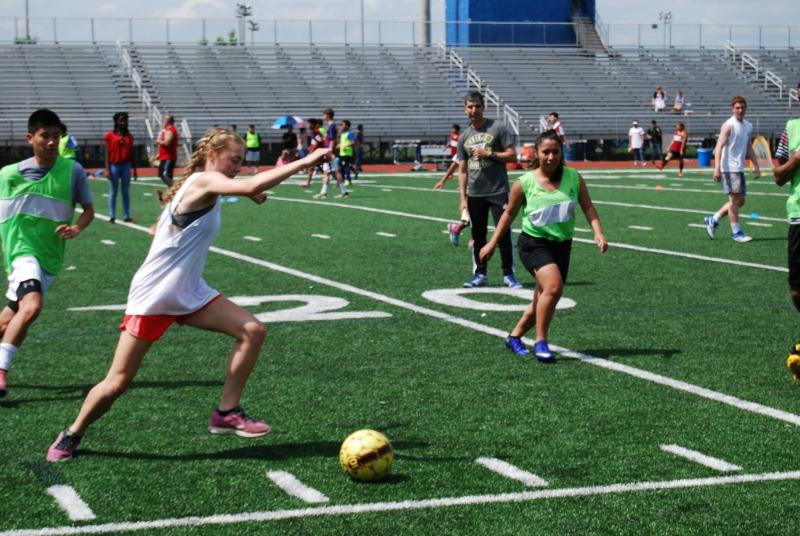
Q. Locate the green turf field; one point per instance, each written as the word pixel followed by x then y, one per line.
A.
pixel 669 410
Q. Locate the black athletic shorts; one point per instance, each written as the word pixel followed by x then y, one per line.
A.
pixel 794 255
pixel 538 252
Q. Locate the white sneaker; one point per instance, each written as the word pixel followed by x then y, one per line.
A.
pixel 711 226
pixel 741 237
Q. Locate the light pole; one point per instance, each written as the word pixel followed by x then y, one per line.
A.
pixel 362 23
pixel 665 17
pixel 27 25
pixel 242 12
pixel 253 29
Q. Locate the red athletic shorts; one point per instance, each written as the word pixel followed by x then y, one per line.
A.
pixel 152 327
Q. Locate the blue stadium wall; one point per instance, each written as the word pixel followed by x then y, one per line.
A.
pixel 470 22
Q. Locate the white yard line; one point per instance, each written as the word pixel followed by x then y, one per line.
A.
pixel 387 235
pixel 252 238
pixel 321 236
pixel 108 242
pixel 620 245
pixel 640 228
pixel 700 458
pixel 756 224
pixel 511 471
pixel 291 485
pixel 426 504
pixel 69 501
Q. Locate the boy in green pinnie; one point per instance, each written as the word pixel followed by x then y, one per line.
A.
pixel 37 201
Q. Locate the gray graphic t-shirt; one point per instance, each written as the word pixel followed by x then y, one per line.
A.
pixel 486 177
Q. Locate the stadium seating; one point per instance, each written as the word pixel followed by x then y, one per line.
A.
pixel 599 94
pixel 396 92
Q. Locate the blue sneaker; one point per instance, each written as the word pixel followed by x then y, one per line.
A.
pixel 516 344
pixel 478 280
pixel 711 226
pixel 543 353
pixel 511 282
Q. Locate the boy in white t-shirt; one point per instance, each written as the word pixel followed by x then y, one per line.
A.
pixel 636 143
pixel 732 150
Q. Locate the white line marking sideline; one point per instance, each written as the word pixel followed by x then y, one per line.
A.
pixel 69 501
pixel 511 471
pixel 291 485
pixel 347 509
pixel 702 459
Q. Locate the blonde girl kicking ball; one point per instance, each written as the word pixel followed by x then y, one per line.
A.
pixel 547 196
pixel 169 287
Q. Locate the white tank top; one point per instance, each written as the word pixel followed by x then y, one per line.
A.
pixel 170 281
pixel 734 152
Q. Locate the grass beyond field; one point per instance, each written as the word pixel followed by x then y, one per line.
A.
pixel 669 410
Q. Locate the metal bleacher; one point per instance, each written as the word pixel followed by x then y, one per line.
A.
pixel 598 94
pixel 395 91
pixel 77 81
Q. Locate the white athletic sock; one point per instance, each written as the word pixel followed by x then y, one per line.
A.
pixel 7 353
pixel 735 228
pixel 715 217
pixel 324 190
pixel 343 188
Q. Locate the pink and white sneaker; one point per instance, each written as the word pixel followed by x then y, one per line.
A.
pixel 3 390
pixel 63 448
pixel 237 422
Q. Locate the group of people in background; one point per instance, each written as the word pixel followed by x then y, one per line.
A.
pixel 659 101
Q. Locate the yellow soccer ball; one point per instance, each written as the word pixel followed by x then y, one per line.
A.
pixel 366 455
pixel 793 364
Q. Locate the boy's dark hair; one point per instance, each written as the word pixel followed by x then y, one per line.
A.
pixel 253 127
pixel 42 118
pixel 456 127
pixel 117 127
pixel 554 114
pixel 329 112
pixel 170 119
pixel 474 96
pixel 346 122
pixel 359 127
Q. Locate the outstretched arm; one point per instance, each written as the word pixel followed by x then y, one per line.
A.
pixel 591 215
pixel 217 183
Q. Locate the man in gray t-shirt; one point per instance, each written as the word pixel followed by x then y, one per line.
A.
pixel 484 149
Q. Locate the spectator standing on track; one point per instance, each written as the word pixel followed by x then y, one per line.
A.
pixel 655 138
pixel 677 148
pixel 788 171
pixel 484 149
pixel 252 145
pixel 636 143
pixel 119 166
pixel 289 141
pixel 359 159
pixel 39 194
pixel 732 150
pixel 555 124
pixel 548 196
pixel 452 145
pixel 167 150
pixel 169 287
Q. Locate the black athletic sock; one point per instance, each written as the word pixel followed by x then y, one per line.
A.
pixel 226 413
